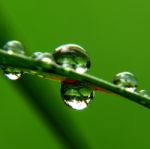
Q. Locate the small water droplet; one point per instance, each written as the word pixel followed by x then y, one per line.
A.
pixel 12 74
pixel 13 47
pixel 76 95
pixel 44 57
pixel 144 93
pixel 73 56
pixel 126 80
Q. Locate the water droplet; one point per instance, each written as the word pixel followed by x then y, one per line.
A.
pixel 144 93
pixel 45 57
pixel 12 74
pixel 73 56
pixel 126 80
pixel 76 95
pixel 14 46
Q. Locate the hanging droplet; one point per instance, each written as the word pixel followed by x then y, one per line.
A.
pixel 12 74
pixel 45 57
pixel 76 95
pixel 126 80
pixel 13 47
pixel 144 93
pixel 72 56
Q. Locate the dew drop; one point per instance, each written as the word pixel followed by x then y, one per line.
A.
pixel 44 57
pixel 13 47
pixel 76 95
pixel 12 74
pixel 144 93
pixel 126 80
pixel 73 56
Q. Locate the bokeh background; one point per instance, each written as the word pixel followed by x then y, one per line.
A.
pixel 116 35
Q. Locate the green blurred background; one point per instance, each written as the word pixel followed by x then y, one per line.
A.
pixel 116 35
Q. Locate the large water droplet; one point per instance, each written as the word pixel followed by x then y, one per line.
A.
pixel 126 80
pixel 76 95
pixel 144 93
pixel 13 47
pixel 45 57
pixel 72 56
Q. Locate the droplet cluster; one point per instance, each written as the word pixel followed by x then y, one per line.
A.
pixel 76 95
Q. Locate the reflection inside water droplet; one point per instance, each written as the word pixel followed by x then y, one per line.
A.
pixel 12 76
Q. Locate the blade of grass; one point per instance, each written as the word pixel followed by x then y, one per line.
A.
pixel 51 70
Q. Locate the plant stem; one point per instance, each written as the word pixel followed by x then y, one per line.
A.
pixel 57 72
